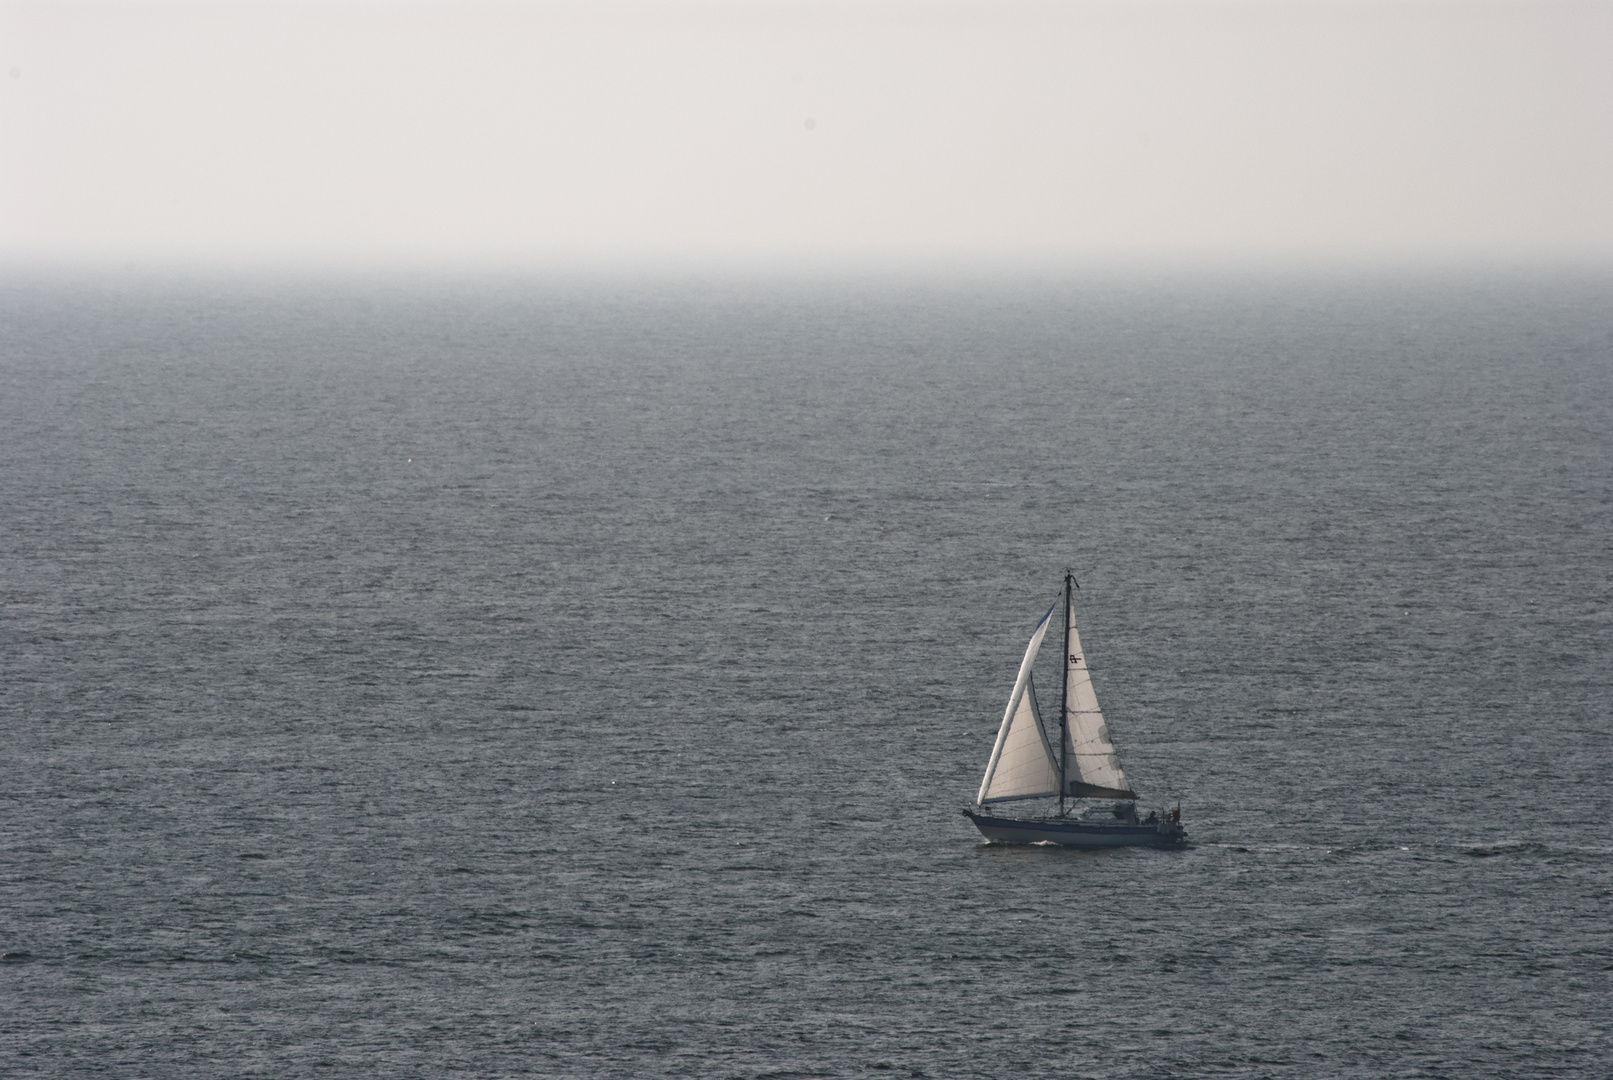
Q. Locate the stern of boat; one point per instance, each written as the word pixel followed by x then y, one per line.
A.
pixel 1170 833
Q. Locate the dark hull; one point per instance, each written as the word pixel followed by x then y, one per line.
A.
pixel 1080 834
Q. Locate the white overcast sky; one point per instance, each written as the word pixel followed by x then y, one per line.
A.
pixel 805 132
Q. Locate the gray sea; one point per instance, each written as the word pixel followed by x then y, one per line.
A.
pixel 499 677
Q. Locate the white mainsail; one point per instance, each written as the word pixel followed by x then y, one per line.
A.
pixel 1091 768
pixel 1022 764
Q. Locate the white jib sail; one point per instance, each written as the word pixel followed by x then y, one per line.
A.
pixel 1091 767
pixel 1022 765
pixel 1026 768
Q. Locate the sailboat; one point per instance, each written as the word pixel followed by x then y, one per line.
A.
pixel 1086 769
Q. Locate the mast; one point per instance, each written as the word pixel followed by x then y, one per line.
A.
pixel 1064 692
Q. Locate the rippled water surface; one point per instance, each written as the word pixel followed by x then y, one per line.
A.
pixel 507 678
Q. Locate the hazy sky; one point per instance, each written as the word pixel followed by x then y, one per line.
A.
pixel 760 130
